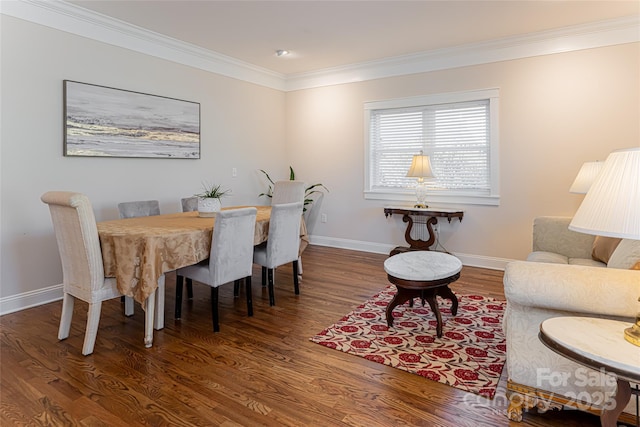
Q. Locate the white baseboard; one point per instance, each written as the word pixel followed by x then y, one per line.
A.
pixel 380 248
pixel 30 299
pixel 38 297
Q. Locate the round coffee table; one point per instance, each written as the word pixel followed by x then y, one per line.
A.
pixel 425 275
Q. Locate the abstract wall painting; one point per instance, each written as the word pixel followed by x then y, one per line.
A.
pixel 101 121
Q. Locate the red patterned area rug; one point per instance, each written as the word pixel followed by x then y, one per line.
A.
pixel 469 356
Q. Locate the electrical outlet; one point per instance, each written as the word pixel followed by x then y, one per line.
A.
pixel 323 217
pixel 234 172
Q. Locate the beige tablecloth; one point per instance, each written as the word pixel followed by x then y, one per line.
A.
pixel 137 251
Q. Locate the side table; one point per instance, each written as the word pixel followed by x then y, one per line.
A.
pixel 598 344
pixel 423 274
pixel 426 216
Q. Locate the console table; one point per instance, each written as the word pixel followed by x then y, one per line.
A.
pixel 426 216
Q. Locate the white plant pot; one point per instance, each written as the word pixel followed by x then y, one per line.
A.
pixel 207 206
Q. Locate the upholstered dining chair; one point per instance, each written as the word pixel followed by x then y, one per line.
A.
pixel 83 278
pixel 289 192
pixel 139 208
pixel 282 245
pixel 134 210
pixel 189 204
pixel 230 259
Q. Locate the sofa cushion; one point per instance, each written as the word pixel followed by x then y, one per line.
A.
pixel 551 257
pixel 626 255
pixel 586 261
pixel 603 247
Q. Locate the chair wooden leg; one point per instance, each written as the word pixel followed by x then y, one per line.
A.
pixel 296 284
pixel 247 281
pixel 178 308
pixel 272 298
pixel 158 321
pixel 214 309
pixel 93 320
pixel 236 288
pixel 65 317
pixel 189 289
pixel 300 267
pixel 264 276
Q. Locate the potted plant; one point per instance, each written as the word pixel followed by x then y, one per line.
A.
pixel 209 200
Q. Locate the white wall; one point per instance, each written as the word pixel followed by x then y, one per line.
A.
pixel 242 126
pixel 556 112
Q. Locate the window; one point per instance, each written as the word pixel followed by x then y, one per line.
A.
pixel 458 131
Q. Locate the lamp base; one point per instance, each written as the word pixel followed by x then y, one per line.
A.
pixel 420 206
pixel 632 334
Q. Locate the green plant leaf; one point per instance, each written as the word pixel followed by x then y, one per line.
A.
pixel 267 175
pixel 292 174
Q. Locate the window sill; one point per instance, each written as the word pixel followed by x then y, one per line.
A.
pixel 456 199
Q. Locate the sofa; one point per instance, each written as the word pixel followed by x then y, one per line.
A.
pixel 561 278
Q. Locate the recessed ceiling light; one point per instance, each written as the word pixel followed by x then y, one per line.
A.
pixel 282 52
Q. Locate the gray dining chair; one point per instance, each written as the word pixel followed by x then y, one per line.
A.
pixel 289 192
pixel 83 277
pixel 137 209
pixel 282 245
pixel 189 204
pixel 230 259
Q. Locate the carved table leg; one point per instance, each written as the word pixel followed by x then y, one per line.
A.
pixel 430 296
pixel 445 292
pixel 403 295
pixel 609 417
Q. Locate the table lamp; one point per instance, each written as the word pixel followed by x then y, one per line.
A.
pixel 421 169
pixel 586 175
pixel 612 207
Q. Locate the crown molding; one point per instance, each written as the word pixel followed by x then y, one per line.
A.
pixel 83 22
pixel 568 39
pixel 79 21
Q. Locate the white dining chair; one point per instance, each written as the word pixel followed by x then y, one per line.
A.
pixel 282 245
pixel 137 209
pixel 230 259
pixel 83 277
pixel 289 192
pixel 189 204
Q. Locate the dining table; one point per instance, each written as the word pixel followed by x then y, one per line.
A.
pixel 139 251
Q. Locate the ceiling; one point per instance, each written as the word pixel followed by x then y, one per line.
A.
pixel 328 34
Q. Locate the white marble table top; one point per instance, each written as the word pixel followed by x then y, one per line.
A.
pixel 422 265
pixel 599 340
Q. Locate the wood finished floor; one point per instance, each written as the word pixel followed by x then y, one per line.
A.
pixel 257 371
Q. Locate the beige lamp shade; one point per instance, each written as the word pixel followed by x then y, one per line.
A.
pixel 612 204
pixel 586 175
pixel 420 167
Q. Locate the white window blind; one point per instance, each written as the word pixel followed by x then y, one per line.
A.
pixel 456 135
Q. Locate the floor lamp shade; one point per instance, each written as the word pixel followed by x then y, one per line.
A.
pixel 612 204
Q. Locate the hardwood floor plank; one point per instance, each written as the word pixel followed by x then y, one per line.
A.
pixel 262 370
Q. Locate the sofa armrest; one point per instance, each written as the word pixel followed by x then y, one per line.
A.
pixel 552 234
pixel 573 288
